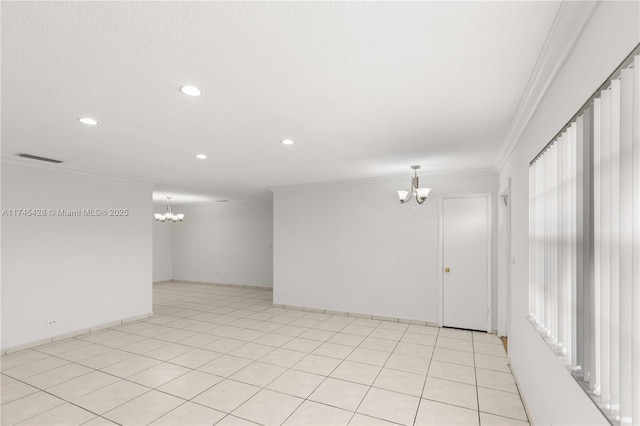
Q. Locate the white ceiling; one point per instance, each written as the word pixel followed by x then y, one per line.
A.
pixel 364 88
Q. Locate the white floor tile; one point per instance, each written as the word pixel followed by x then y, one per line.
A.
pixel 391 406
pixel 493 420
pixel 317 364
pixel 227 395
pixel 368 356
pixel 75 388
pixel 431 413
pixel 400 381
pixel 317 334
pixel 455 344
pixel 296 383
pixel 378 344
pixel 225 366
pixel 346 339
pixel 190 414
pixel 455 372
pixel 251 351
pixel 419 339
pixel 412 349
pixel 490 362
pixel 258 374
pixel 195 358
pixel 191 384
pixel 356 372
pixel 480 337
pixel 282 357
pixel 168 351
pixel 273 339
pixel 411 364
pixel 66 414
pixel 382 333
pixel 389 325
pixel 131 366
pixel 362 420
pixel 338 393
pixel 449 392
pixel 301 344
pixel 454 357
pixel 158 375
pixel 29 406
pixel 489 349
pixel 12 390
pixel 334 350
pixel 235 421
pixel 268 407
pixel 496 380
pixel 501 403
pixel 144 409
pixel 358 330
pixel 224 345
pixel 57 375
pixel 313 413
pixel 61 347
pixel 35 367
pixel 110 397
pixel 99 421
pixel 424 329
pixel 455 333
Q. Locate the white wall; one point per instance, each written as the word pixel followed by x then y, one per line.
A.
pixel 354 248
pixel 551 395
pixel 162 246
pixel 227 243
pixel 80 271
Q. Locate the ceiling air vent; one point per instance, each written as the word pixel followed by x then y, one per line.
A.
pixel 35 157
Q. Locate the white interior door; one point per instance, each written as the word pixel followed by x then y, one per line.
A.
pixel 465 260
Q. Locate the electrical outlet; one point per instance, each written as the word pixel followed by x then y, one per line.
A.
pixel 51 323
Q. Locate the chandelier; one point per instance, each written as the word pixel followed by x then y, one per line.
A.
pixel 421 194
pixel 169 215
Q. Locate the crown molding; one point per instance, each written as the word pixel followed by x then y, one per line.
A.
pixel 381 179
pixel 567 27
pixel 66 169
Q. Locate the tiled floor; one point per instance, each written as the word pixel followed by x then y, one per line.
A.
pixel 225 356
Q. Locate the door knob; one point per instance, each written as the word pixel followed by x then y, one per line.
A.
pixel 447 270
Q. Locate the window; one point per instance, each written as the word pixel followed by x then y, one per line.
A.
pixel 584 244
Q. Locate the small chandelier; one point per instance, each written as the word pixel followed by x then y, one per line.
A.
pixel 169 215
pixel 421 194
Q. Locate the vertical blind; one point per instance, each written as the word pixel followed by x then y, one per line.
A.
pixel 584 244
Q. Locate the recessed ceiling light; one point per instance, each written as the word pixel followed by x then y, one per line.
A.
pixel 87 120
pixel 287 142
pixel 201 156
pixel 191 91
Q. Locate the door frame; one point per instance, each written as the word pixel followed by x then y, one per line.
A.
pixel 489 197
pixel 505 197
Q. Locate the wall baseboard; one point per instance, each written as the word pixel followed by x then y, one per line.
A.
pixel 255 287
pixel 75 333
pixel 522 398
pixel 357 315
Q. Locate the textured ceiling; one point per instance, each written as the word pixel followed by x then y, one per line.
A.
pixel 364 88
